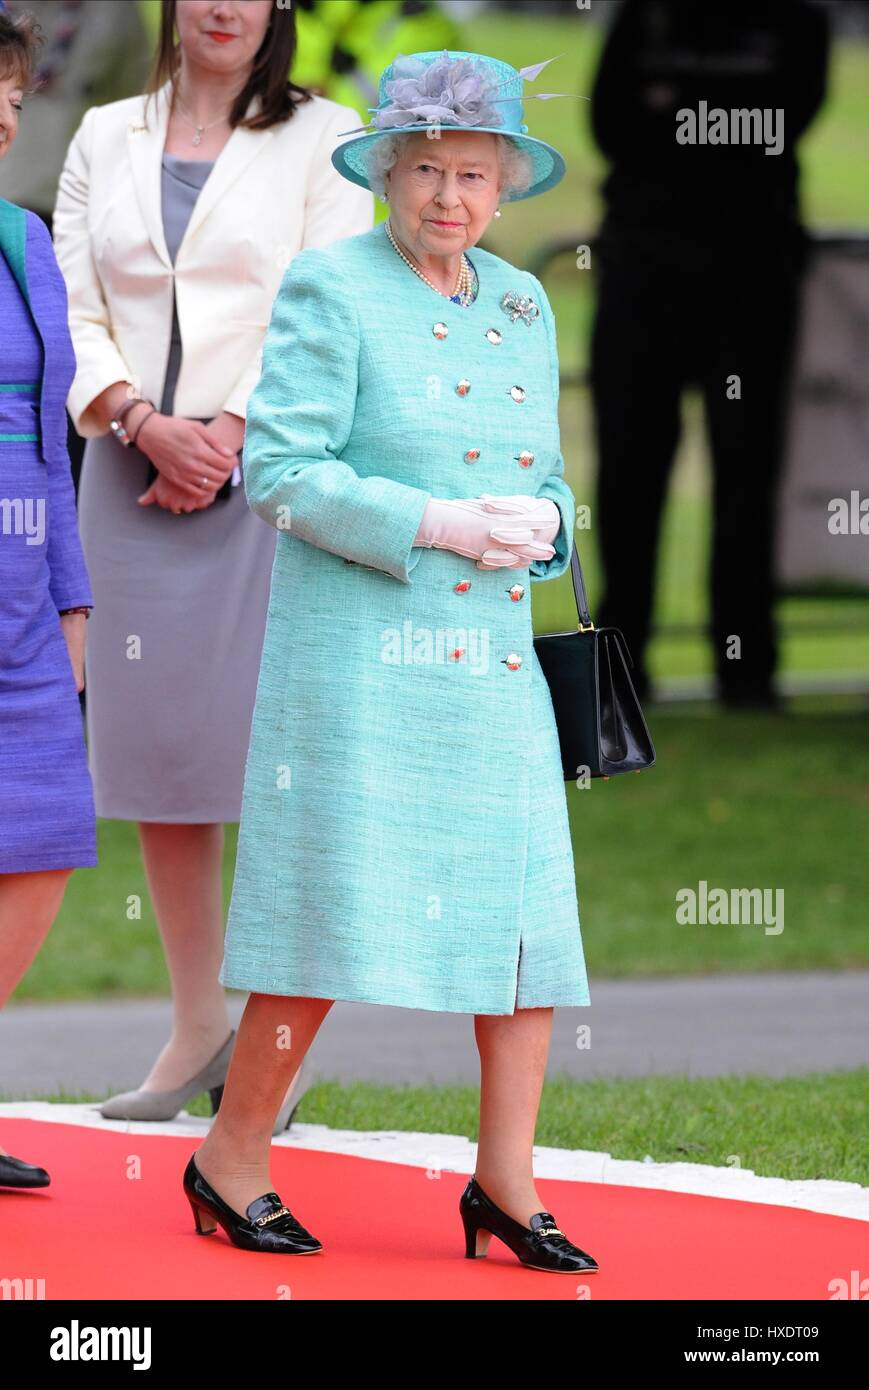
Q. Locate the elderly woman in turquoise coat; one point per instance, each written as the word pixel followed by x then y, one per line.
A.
pixel 404 836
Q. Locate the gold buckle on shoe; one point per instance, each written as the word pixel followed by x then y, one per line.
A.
pixel 273 1216
pixel 549 1231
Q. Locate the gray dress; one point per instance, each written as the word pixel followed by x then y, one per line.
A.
pixel 175 637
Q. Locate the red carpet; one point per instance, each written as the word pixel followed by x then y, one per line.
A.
pixel 389 1232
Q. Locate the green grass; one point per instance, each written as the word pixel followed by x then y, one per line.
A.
pixel 806 1127
pixel 735 800
pixel 742 802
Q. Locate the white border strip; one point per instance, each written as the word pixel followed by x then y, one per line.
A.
pixel 454 1153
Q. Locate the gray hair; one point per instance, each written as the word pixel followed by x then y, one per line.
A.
pixel 515 165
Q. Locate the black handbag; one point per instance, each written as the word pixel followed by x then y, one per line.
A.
pixel 597 713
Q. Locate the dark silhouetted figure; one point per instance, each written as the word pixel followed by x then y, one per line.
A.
pixel 699 265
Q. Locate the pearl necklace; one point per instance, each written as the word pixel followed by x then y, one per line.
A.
pixel 464 283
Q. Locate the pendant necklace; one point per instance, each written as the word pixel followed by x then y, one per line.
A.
pixel 200 129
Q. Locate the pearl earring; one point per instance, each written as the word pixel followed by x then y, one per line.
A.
pixel 383 198
pixel 497 212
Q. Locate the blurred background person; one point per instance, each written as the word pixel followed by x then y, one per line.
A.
pixel 700 260
pixel 47 823
pixel 93 52
pixel 176 217
pixel 343 45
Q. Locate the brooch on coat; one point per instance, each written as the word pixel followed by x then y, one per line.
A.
pixel 520 306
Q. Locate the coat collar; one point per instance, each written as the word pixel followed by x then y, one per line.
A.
pixel 41 286
pixel 146 138
pixel 13 242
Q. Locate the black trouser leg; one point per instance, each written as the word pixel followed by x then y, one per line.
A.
pixel 754 317
pixel 636 378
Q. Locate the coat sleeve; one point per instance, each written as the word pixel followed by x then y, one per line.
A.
pixel 299 421
pixel 99 362
pixel 554 485
pixel 334 208
pixel 68 581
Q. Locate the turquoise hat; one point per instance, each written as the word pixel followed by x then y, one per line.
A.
pixel 454 91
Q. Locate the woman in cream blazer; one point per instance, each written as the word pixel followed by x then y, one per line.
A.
pixel 174 224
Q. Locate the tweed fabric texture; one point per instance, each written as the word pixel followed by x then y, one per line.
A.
pixel 404 836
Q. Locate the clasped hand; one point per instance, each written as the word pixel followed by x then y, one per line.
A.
pixel 193 460
pixel 521 527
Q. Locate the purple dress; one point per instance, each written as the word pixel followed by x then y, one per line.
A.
pixel 46 801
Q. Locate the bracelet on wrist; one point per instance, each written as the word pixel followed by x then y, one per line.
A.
pixel 117 426
pixel 128 405
pixel 138 429
pixel 62 612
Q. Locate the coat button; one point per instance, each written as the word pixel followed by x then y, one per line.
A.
pixel 493 336
pixel 525 459
pixel 463 387
pixel 440 330
pixel 462 587
pixel 516 592
pixel 472 455
pixel 512 662
pixel 518 394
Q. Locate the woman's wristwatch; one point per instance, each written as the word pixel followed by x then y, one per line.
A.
pixel 117 423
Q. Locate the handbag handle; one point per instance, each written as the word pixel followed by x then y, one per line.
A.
pixel 585 622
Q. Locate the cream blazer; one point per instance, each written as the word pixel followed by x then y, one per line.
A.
pixel 270 193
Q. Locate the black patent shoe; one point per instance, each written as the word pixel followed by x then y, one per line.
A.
pixel 14 1172
pixel 267 1224
pixel 541 1245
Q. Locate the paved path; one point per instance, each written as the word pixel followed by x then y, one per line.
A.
pixel 773 1024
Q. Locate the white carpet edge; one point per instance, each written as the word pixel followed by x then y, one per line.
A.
pixel 454 1153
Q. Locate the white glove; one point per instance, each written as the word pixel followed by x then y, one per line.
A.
pixel 522 513
pixel 464 526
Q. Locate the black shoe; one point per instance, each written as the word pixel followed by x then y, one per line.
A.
pixel 14 1172
pixel 267 1224
pixel 541 1246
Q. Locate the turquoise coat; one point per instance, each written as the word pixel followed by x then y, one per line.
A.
pixel 404 836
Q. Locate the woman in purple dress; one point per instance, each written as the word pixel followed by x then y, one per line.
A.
pixel 47 822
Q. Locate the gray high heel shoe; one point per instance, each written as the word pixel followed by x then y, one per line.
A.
pixel 164 1105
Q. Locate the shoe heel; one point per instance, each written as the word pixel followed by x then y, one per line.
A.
pixel 476 1239
pixel 202 1219
pixel 216 1096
